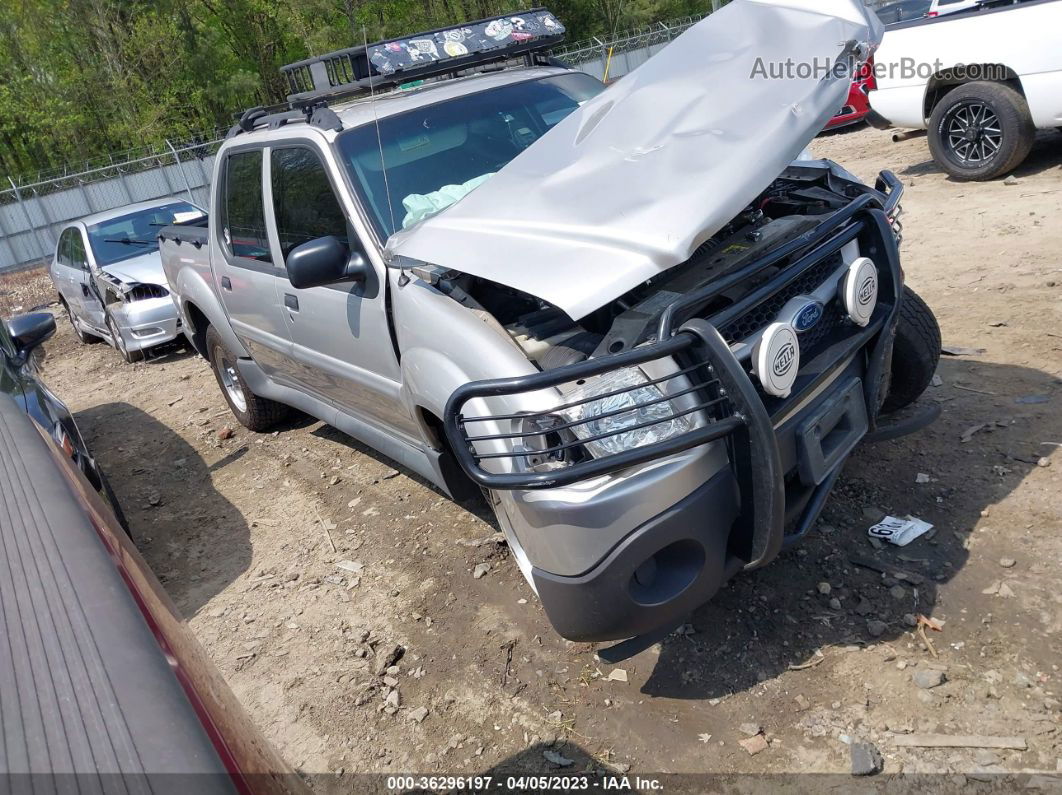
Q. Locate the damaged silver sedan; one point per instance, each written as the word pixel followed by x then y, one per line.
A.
pixel 110 278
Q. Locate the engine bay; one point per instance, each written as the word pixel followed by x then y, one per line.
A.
pixel 795 203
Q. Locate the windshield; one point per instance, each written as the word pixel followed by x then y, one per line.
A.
pixel 438 153
pixel 136 233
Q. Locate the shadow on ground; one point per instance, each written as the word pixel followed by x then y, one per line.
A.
pixel 194 539
pixel 768 621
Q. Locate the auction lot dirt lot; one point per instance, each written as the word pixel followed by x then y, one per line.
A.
pixel 301 558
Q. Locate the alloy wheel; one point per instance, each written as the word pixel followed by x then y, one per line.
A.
pixel 973 133
pixel 119 341
pixel 230 379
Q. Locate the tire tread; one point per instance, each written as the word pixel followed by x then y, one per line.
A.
pixel 915 354
pixel 1019 133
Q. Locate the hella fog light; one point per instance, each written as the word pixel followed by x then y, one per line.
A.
pixel 146 332
pixel 776 359
pixel 616 417
pixel 860 290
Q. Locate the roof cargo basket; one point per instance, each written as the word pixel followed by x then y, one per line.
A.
pixel 443 51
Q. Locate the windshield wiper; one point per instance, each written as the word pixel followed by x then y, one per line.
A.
pixel 126 241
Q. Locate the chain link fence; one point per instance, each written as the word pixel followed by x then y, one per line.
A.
pixel 619 55
pixel 33 210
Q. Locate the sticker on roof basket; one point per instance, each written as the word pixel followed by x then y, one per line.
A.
pixel 397 55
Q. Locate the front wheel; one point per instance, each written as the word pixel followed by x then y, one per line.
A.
pixel 915 352
pixel 980 131
pixel 119 343
pixel 253 412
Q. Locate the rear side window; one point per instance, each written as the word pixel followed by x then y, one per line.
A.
pixel 62 252
pixel 306 208
pixel 243 222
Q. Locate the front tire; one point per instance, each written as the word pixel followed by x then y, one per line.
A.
pixel 119 343
pixel 253 412
pixel 915 352
pixel 980 131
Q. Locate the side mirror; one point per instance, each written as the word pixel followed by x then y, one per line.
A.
pixel 29 331
pixel 324 260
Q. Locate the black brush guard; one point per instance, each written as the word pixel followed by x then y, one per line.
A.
pixel 724 391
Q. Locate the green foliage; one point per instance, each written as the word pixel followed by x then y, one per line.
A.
pixel 84 78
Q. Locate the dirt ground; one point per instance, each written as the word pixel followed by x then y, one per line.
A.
pixel 815 650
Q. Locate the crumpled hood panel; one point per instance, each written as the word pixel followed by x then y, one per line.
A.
pixel 144 269
pixel 632 182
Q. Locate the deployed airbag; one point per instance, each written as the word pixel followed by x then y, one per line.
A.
pixel 422 205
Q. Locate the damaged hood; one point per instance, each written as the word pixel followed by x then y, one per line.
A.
pixel 632 182
pixel 143 269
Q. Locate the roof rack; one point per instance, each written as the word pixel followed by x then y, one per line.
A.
pixel 433 53
pixel 318 114
pixel 443 52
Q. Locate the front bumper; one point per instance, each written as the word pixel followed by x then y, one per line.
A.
pixel 784 454
pixel 146 323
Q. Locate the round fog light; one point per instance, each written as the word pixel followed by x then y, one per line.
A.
pixel 861 290
pixel 776 359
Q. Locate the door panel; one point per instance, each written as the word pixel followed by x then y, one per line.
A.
pixel 340 333
pixel 247 275
pixel 87 294
pixel 61 272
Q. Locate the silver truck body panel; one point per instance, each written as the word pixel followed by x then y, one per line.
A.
pixel 193 291
pixel 632 182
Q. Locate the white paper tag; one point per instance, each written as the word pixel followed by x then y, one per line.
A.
pixel 900 532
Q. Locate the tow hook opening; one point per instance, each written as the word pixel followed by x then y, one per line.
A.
pixel 667 573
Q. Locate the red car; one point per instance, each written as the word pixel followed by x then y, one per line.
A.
pixel 102 686
pixel 857 106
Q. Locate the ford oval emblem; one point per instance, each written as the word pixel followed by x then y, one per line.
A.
pixel 784 359
pixel 808 316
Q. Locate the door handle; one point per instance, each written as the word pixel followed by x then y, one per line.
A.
pixel 291 302
pixel 226 283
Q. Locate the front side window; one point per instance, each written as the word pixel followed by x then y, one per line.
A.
pixel 78 257
pixel 305 206
pixel 132 234
pixel 436 154
pixel 243 221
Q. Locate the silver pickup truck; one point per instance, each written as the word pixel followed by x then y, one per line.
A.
pixel 626 315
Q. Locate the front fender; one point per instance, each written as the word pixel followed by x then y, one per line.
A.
pixel 445 345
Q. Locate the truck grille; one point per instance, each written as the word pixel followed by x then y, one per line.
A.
pixel 767 311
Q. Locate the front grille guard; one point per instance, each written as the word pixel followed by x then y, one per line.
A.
pixel 726 399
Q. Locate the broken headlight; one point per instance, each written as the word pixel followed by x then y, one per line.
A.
pixel 622 410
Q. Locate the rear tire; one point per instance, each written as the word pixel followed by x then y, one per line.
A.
pixel 1001 131
pixel 253 412
pixel 915 352
pixel 119 343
